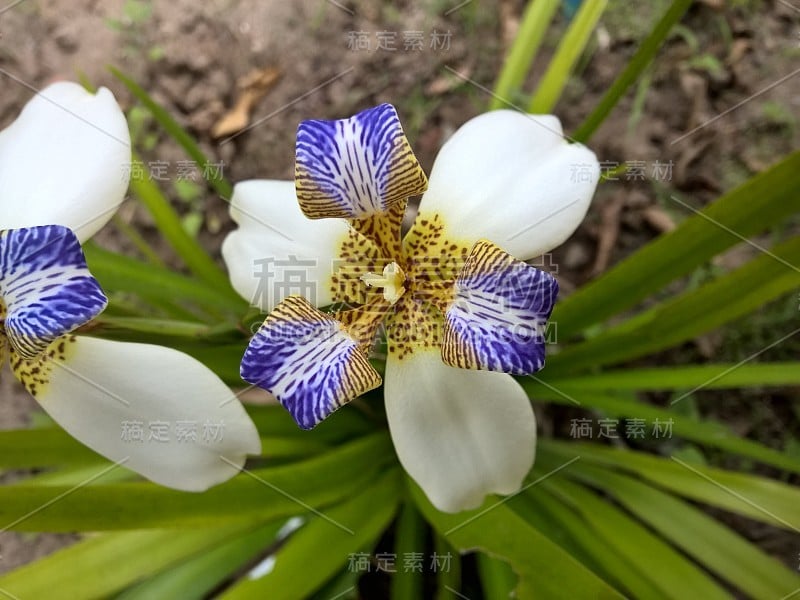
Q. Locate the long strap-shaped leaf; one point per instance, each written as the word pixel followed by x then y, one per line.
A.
pixel 705 433
pixel 545 570
pixel 761 202
pixel 670 573
pixel 721 301
pixel 569 51
pixel 366 514
pixel 535 21
pixel 756 497
pixel 644 55
pixel 702 537
pixel 265 494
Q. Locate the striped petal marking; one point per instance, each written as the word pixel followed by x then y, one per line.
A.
pixel 357 167
pixel 308 361
pixel 46 286
pixel 498 316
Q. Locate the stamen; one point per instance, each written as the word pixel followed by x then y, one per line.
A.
pixel 391 281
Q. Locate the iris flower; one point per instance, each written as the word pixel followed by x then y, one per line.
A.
pixel 159 412
pixel 461 311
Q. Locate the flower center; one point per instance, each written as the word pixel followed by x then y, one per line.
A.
pixel 391 281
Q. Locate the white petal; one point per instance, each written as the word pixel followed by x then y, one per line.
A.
pixel 64 161
pixel 160 411
pixel 277 250
pixel 513 179
pixel 460 434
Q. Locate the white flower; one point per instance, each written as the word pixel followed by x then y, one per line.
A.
pixel 450 293
pixel 64 167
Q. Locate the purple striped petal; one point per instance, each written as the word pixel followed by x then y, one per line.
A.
pixel 357 167
pixel 498 318
pixel 46 286
pixel 308 361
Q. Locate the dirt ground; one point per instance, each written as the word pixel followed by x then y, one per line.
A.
pixel 731 63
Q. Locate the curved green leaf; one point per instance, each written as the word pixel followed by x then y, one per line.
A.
pixel 544 569
pixel 762 201
pixel 329 546
pixel 269 493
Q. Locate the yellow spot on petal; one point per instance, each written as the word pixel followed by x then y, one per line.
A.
pixel 35 373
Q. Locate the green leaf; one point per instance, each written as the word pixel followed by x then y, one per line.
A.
pixel 756 497
pixel 535 21
pixel 171 227
pixel 670 573
pixel 567 54
pixel 51 447
pixel 265 494
pixel 497 578
pixel 448 575
pixel 198 576
pixel 406 584
pixel 116 272
pixel 636 65
pixel 762 201
pixel 544 569
pixel 347 528
pixel 707 433
pixel 716 376
pixel 709 542
pixel 695 312
pixel 103 565
pixel 180 135
pixel 568 529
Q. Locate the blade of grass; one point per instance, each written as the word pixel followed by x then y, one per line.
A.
pixel 633 69
pixel 535 21
pixel 691 314
pixel 198 576
pixel 103 565
pixel 758 498
pixel 764 200
pixel 180 135
pixel 567 528
pixel 268 493
pixel 717 376
pixel 544 569
pixel 137 240
pixel 670 573
pixel 406 584
pixel 367 514
pixel 713 545
pixel 569 51
pixel 123 273
pixel 171 227
pixel 706 433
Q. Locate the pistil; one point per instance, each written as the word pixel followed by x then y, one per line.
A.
pixel 392 281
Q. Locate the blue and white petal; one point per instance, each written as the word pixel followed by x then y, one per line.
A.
pixel 46 286
pixel 308 361
pixel 157 411
pixel 357 167
pixel 65 160
pixel 512 178
pixel 459 434
pixel 498 318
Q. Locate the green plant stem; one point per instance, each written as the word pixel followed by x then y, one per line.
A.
pixel 569 50
pixel 535 21
pixel 643 56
